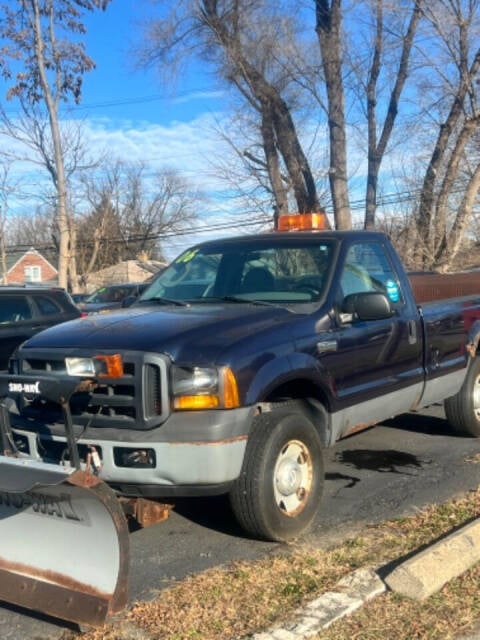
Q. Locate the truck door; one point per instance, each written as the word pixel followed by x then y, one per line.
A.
pixel 376 365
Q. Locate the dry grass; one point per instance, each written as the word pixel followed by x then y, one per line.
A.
pixel 246 597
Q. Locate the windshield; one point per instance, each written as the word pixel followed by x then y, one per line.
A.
pixel 109 294
pixel 266 270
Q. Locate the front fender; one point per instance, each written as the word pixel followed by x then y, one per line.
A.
pixel 286 369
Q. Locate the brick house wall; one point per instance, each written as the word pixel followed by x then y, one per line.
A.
pixel 32 260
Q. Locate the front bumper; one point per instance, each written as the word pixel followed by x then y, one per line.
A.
pixel 180 468
pixel 187 453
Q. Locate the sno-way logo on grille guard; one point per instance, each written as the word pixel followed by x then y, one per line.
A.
pixel 24 387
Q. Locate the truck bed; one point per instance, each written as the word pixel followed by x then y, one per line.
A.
pixel 430 286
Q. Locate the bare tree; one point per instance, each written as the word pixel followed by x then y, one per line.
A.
pixel 377 144
pixel 31 142
pixel 32 228
pixel 247 44
pixel 130 212
pixel 9 188
pixel 243 166
pixel 372 64
pixel 455 25
pixel 244 40
pixel 51 71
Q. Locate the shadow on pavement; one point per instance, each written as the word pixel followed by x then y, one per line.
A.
pixel 40 617
pixel 383 461
pixel 212 513
pixel 421 423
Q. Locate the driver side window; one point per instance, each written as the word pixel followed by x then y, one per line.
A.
pixel 368 268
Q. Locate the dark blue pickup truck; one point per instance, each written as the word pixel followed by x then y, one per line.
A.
pixel 242 361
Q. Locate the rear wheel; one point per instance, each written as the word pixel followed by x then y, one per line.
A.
pixel 279 490
pixel 463 409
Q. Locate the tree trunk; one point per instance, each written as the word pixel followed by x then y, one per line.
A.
pixel 59 169
pixel 455 237
pixel 3 254
pixel 292 153
pixel 273 167
pixel 376 151
pixel 328 28
pixel 440 239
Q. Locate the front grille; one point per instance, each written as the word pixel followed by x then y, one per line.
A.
pixel 137 400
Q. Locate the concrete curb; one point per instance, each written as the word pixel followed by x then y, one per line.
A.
pixel 429 570
pixel 418 577
pixel 350 594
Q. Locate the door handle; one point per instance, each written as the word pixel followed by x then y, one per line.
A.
pixel 326 346
pixel 412 332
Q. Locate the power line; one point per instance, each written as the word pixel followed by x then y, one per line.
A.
pixel 221 226
pixel 386 200
pixel 119 102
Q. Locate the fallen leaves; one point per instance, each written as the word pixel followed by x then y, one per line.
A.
pixel 246 597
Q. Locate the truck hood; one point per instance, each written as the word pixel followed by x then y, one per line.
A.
pixel 199 332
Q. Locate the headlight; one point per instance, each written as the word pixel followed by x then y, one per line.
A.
pixel 101 366
pixel 204 388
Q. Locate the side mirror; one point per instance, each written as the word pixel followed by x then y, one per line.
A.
pixel 368 305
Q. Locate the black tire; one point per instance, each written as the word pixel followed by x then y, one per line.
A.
pixel 278 493
pixel 463 409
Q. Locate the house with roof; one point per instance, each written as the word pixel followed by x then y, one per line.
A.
pixel 138 270
pixel 29 268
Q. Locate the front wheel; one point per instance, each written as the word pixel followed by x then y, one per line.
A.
pixel 278 492
pixel 463 409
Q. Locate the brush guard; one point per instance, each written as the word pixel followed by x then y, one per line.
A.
pixel 64 546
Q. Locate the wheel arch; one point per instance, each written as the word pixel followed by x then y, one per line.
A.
pixel 294 378
pixel 304 396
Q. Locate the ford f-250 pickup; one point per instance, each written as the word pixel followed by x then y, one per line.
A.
pixel 242 361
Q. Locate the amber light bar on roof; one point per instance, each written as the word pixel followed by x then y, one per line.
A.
pixel 303 222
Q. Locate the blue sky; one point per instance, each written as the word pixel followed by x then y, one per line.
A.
pixel 118 90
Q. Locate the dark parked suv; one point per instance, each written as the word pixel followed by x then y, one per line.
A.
pixel 27 310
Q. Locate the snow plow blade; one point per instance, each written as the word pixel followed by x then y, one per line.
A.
pixel 63 541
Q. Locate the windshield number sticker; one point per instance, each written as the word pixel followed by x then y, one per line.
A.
pixel 187 256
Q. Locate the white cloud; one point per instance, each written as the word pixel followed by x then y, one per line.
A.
pixel 188 147
pixel 185 146
pixel 194 96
